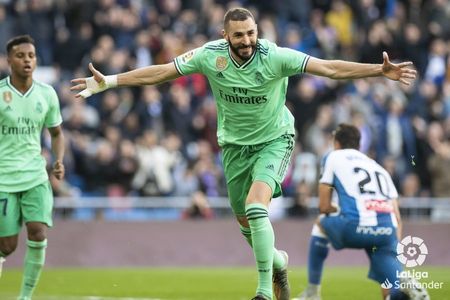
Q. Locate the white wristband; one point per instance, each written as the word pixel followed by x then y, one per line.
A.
pixel 94 87
pixel 111 81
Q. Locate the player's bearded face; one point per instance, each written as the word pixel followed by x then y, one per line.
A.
pixel 242 37
pixel 243 51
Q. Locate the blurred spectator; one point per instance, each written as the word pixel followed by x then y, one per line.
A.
pixel 318 135
pixel 209 174
pixel 99 169
pixel 411 186
pixel 415 45
pixel 150 110
pixel 435 70
pixel 303 100
pixel 126 166
pixel 179 113
pixel 35 18
pixel 6 27
pixel 205 123
pixel 66 56
pixel 153 177
pixel 299 208
pixel 396 137
pixel 389 163
pixel 199 208
pixel 439 161
pixel 340 17
pixel 186 180
pixel 305 168
pixel 142 50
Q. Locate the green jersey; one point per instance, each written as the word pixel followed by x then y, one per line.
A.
pixel 250 97
pixel 22 117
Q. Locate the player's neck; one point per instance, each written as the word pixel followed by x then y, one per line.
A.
pixel 22 84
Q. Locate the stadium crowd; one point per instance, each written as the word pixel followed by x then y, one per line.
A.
pixel 161 141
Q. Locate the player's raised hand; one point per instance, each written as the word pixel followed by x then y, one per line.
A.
pixel 94 84
pixel 398 72
pixel 58 170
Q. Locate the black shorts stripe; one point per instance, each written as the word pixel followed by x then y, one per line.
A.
pixel 287 156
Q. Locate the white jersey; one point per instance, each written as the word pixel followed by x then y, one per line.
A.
pixel 365 189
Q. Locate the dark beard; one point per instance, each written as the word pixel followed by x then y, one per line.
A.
pixel 235 51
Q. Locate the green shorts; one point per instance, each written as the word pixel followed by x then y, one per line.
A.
pixel 265 162
pixel 33 205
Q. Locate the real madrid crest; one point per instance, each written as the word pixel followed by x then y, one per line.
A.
pixel 39 107
pixel 221 63
pixel 259 78
pixel 7 96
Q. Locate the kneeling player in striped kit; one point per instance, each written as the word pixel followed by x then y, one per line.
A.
pixel 366 217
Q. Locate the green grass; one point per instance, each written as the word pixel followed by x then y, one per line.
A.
pixel 197 283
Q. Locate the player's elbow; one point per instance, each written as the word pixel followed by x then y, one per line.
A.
pixel 327 209
pixel 323 209
pixel 330 70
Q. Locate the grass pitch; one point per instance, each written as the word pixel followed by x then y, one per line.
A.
pixel 344 283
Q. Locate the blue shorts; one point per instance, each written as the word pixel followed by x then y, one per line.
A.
pixel 379 242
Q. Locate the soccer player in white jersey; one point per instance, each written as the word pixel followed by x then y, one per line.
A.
pixel 366 216
pixel 26 107
pixel 248 77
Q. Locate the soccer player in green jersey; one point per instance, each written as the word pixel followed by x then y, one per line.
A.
pixel 26 106
pixel 248 77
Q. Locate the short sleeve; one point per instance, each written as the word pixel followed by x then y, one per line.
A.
pixel 289 62
pixel 327 170
pixel 53 117
pixel 190 62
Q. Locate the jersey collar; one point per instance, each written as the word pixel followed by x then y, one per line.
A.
pixel 8 81
pixel 246 63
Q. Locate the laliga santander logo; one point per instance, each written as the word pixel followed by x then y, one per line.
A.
pixel 411 251
pixel 387 284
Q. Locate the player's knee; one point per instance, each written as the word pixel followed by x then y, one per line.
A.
pixel 37 232
pixel 7 246
pixel 37 236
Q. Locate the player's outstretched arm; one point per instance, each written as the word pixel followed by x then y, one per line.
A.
pixel 143 76
pixel 339 69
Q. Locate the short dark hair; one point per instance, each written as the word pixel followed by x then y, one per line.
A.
pixel 348 136
pixel 21 39
pixel 236 14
